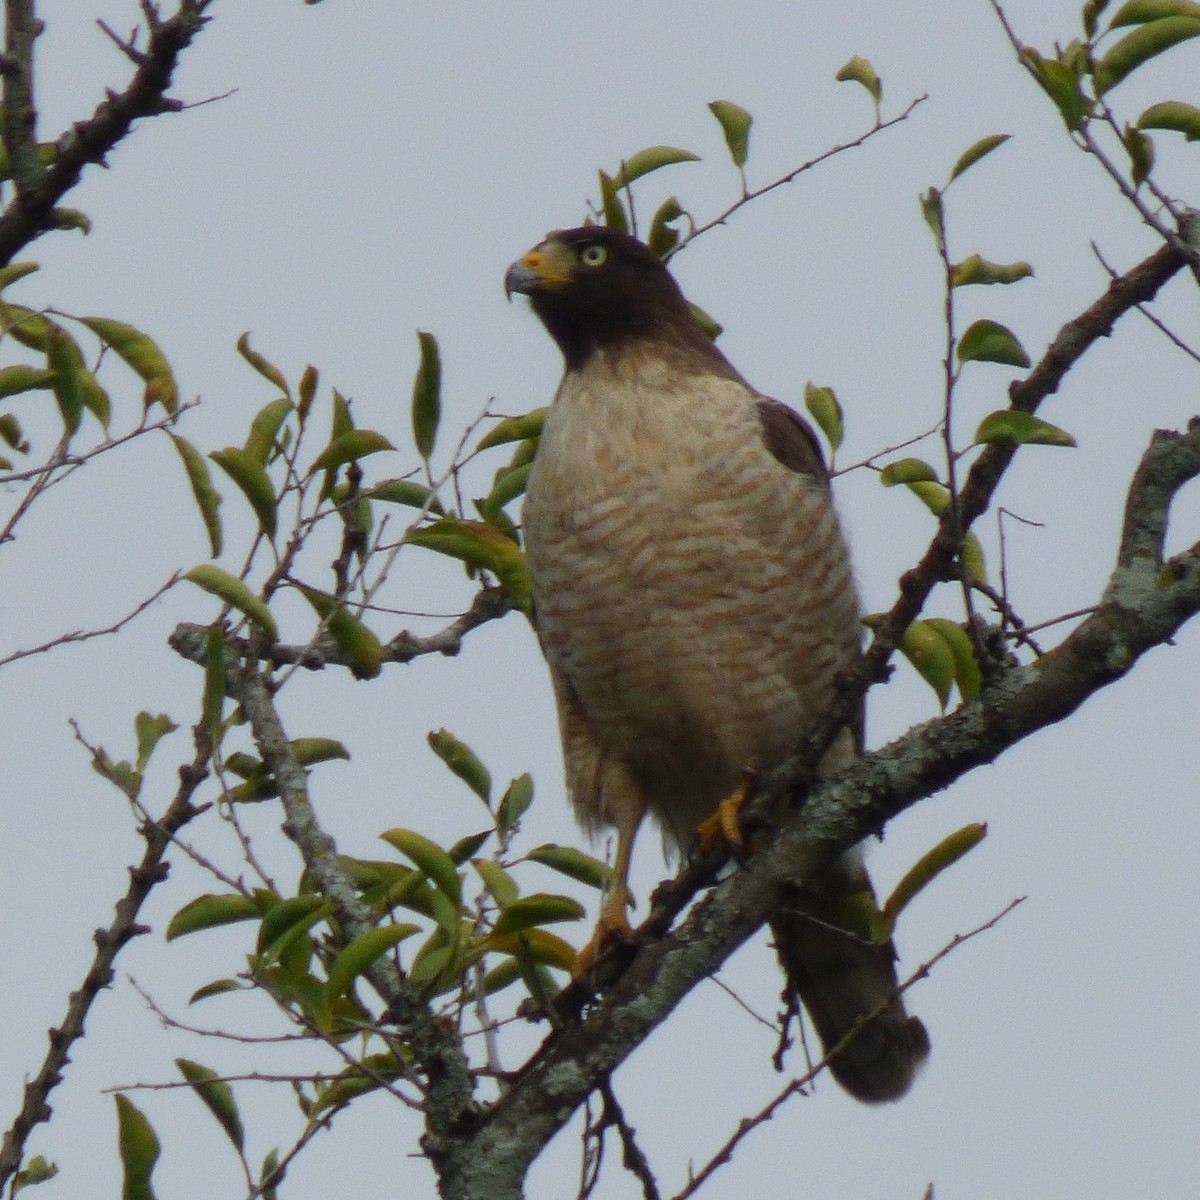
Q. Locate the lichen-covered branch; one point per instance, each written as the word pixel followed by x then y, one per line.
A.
pixel 1146 601
pixel 143 877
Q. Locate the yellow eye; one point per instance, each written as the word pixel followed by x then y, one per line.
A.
pixel 594 255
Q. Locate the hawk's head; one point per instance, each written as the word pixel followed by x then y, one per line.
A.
pixel 597 289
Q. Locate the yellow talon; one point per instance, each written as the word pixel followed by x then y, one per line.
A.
pixel 725 823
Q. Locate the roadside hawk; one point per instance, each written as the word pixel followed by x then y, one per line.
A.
pixel 693 598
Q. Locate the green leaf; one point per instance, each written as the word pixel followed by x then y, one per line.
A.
pixel 270 1176
pixel 1173 115
pixel 209 912
pixel 823 407
pixel 404 491
pixel 859 70
pixel 308 751
pixel 264 429
pixel 501 886
pixel 307 391
pixel 974 153
pixel 23 378
pixel 540 909
pixel 931 864
pixel 572 863
pixel 611 207
pixel 217 1096
pixel 967 674
pixel 662 239
pixel 930 653
pixel 247 471
pixel 10 432
pixel 651 159
pixel 1140 148
pixel 29 328
pixel 266 369
pixel 907 470
pixel 150 730
pixel 139 1149
pixel 66 361
pixel 95 398
pixel 480 545
pixel 518 796
pixel 978 270
pixel 15 271
pixel 36 1170
pixel 348 447
pixel 972 559
pixel 234 592
pixel 931 210
pixel 1021 429
pixel 535 945
pixel 735 122
pixel 989 341
pixel 508 486
pixel 1140 12
pixel 286 922
pixel 514 429
pixel 208 499
pixel 427 395
pixel 218 987
pixel 361 953
pixel 360 643
pixel 1091 16
pixel 212 705
pixel 935 496
pixel 430 858
pixel 142 355
pixel 467 847
pixel 1061 84
pixel 1144 43
pixel 464 762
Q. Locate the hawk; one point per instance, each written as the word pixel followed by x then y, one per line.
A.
pixel 694 600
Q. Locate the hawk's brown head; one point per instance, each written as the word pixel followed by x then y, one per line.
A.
pixel 597 289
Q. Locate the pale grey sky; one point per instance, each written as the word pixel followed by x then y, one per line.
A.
pixel 376 169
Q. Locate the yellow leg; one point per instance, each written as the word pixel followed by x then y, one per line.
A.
pixel 725 823
pixel 614 910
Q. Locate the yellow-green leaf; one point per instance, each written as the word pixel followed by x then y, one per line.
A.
pixel 150 730
pixel 404 491
pixel 209 912
pixel 355 958
pixel 931 210
pixel 236 593
pixel 248 472
pixel 859 70
pixel 23 378
pixel 972 559
pixel 651 159
pixel 217 1096
pixel 1173 115
pixel 142 355
pixel 1144 43
pixel 514 429
pixel 931 864
pixel 360 643
pixel 463 761
pixel 34 1171
pixel 989 341
pixel 266 369
pixel 480 545
pixel 501 886
pixel 662 239
pixel 967 674
pixel 288 921
pixel 508 486
pixel 931 655
pixel 1140 148
pixel 264 429
pixel 1061 84
pixel 307 392
pixel 574 864
pixel 437 865
pixel 308 751
pixel 212 704
pixel 611 207
pixel 979 270
pixel 15 271
pixel 907 470
pixel 542 908
pixel 823 407
pixel 29 328
pixel 208 499
pixel 516 799
pixel 1021 429
pixel 139 1149
pixel 348 447
pixel 94 397
pixel 67 363
pixel 427 395
pixel 735 122
pixel 974 153
pixel 1140 12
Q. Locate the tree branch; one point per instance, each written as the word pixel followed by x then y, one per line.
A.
pixel 1144 605
pixel 151 871
pixel 39 189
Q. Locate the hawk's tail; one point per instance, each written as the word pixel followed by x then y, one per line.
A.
pixel 841 977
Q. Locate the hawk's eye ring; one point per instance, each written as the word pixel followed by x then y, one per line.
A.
pixel 594 255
